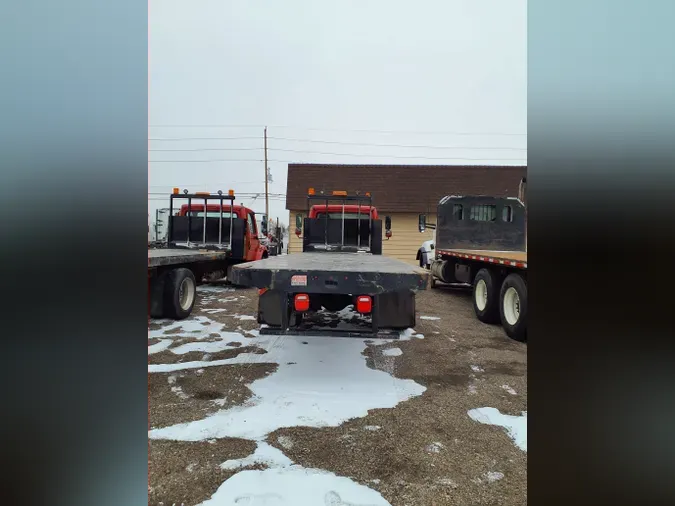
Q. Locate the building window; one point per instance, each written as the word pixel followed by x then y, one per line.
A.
pixel 507 213
pixel 458 212
pixel 483 213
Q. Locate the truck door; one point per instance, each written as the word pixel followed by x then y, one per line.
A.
pixel 252 241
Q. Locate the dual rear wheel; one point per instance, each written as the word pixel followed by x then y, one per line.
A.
pixel 504 301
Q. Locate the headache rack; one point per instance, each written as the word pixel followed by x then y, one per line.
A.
pixel 205 232
pixel 351 235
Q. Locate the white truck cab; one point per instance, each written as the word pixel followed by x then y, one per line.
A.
pixel 425 255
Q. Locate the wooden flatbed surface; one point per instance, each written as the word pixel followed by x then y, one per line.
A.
pixel 511 256
pixel 333 262
pixel 167 256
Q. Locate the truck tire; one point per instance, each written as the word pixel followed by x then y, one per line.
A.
pixel 486 296
pixel 180 293
pixel 513 307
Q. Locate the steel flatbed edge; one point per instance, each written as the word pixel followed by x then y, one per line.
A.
pixel 331 272
pixel 168 256
pixel 510 258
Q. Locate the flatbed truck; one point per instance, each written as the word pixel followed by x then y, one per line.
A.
pixel 203 240
pixel 482 242
pixel 341 264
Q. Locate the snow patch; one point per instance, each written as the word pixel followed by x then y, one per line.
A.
pixel 516 426
pixel 435 448
pixel 429 318
pixel 160 346
pixel 177 389
pixel 392 352
pixel 264 454
pixel 293 486
pixel 199 327
pixel 476 368
pixel 213 289
pixel 408 334
pixel 372 427
pixel 209 347
pixel 244 317
pixel 342 388
pixel 493 476
pixel 509 390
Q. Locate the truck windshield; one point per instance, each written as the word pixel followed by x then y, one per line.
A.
pixel 348 216
pixel 210 214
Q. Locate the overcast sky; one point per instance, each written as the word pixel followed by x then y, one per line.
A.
pixel 447 75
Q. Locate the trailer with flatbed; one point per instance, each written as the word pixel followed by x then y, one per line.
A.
pixel 481 242
pixel 203 240
pixel 341 265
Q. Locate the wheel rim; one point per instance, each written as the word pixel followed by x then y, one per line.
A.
pixel 186 294
pixel 511 306
pixel 481 295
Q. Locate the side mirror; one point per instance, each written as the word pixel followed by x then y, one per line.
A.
pixel 263 225
pixel 387 226
pixel 422 222
pixel 298 224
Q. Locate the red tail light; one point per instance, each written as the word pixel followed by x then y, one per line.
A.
pixel 388 234
pixel 301 302
pixel 364 304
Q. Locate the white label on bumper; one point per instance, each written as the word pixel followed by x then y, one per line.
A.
pixel 299 280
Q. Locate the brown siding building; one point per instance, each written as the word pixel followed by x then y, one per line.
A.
pixel 399 191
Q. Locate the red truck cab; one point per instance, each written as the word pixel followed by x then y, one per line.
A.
pixel 253 250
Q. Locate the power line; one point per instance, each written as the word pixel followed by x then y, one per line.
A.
pixel 210 149
pixel 342 143
pixel 202 138
pixel 343 154
pixel 390 145
pixel 377 156
pixel 197 161
pixel 321 129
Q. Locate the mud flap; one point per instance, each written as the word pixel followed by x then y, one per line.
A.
pixel 395 310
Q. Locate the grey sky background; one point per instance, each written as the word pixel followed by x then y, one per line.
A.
pixel 335 82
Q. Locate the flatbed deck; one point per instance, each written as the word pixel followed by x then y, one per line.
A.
pixel 331 272
pixel 174 256
pixel 513 258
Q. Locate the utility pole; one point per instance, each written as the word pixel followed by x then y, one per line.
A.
pixel 267 197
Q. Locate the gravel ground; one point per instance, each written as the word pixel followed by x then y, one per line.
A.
pixel 425 451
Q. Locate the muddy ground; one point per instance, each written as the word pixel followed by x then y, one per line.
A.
pixel 425 451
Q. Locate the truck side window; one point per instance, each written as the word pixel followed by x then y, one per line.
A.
pixel 507 213
pixel 483 213
pixel 458 211
pixel 251 225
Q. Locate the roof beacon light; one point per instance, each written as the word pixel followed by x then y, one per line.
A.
pixel 230 193
pixel 367 194
pixel 176 191
pixel 340 193
pixel 310 191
